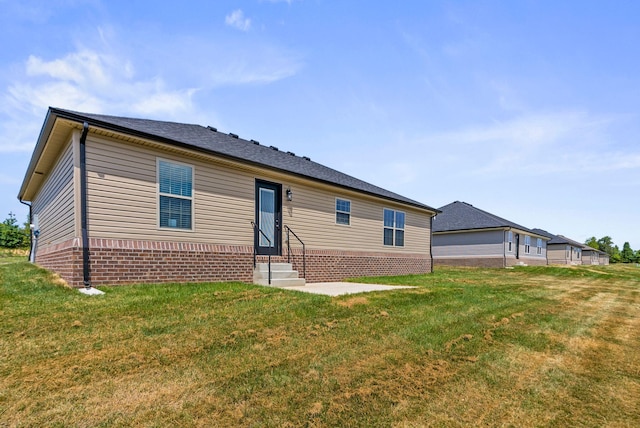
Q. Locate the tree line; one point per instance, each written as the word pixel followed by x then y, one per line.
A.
pixel 12 235
pixel 626 255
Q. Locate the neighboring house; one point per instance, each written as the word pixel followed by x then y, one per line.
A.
pixel 119 200
pixel 562 250
pixel 593 256
pixel 464 235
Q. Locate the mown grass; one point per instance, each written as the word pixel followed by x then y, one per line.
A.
pixel 522 347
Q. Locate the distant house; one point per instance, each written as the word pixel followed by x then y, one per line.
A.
pixel 593 256
pixel 562 250
pixel 464 235
pixel 119 200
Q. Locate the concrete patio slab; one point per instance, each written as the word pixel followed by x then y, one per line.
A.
pixel 341 288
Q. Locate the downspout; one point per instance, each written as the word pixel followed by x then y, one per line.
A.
pixel 31 231
pixel 83 207
pixel 431 239
pixel 504 250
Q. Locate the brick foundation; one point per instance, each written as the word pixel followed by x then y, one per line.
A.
pixel 486 262
pixel 336 265
pixel 65 259
pixel 489 262
pixel 532 261
pixel 116 262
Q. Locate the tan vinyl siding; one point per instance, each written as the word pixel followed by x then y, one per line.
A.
pixel 469 244
pixel 532 257
pixel 312 216
pixel 123 199
pixel 123 203
pixel 557 254
pixel 53 203
pixel 590 257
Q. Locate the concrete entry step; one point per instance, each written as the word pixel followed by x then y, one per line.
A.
pixel 282 275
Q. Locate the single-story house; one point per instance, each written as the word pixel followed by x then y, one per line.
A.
pixel 594 256
pixel 117 200
pixel 562 250
pixel 464 235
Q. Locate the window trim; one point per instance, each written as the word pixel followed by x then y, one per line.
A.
pixel 527 244
pixel 394 228
pixel 539 246
pixel 510 241
pixel 342 212
pixel 159 194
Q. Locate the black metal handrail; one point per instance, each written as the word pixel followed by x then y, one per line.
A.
pixel 304 255
pixel 257 230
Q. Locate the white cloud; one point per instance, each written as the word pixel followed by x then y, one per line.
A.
pixel 244 71
pixel 85 80
pixel 121 74
pixel 537 151
pixel 237 20
pixel 164 102
pixel 532 130
pixel 533 144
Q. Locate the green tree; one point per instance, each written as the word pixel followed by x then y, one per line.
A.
pixel 627 255
pixel 11 235
pixel 592 242
pixel 606 244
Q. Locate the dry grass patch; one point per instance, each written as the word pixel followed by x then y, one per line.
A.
pixel 351 302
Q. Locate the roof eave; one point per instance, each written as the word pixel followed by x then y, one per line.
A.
pixel 489 229
pixel 41 143
pixel 121 129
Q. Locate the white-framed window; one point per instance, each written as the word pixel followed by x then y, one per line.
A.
pixel 393 227
pixel 527 244
pixel 567 251
pixel 510 241
pixel 539 246
pixel 175 195
pixel 343 211
pixel 578 252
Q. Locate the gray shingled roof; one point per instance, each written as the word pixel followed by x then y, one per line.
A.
pixel 208 140
pixel 463 216
pixel 558 239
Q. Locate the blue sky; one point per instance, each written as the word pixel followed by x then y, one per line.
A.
pixel 527 109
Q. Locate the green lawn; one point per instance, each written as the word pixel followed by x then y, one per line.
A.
pixel 523 347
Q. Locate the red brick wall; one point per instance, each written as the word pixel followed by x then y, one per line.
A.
pixel 490 262
pixel 334 265
pixel 65 259
pixel 115 262
pixel 127 262
pixel 531 261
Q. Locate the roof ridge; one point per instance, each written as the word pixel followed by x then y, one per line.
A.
pixel 198 137
pixel 493 216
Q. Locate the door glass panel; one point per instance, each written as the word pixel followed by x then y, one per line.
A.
pixel 267 216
